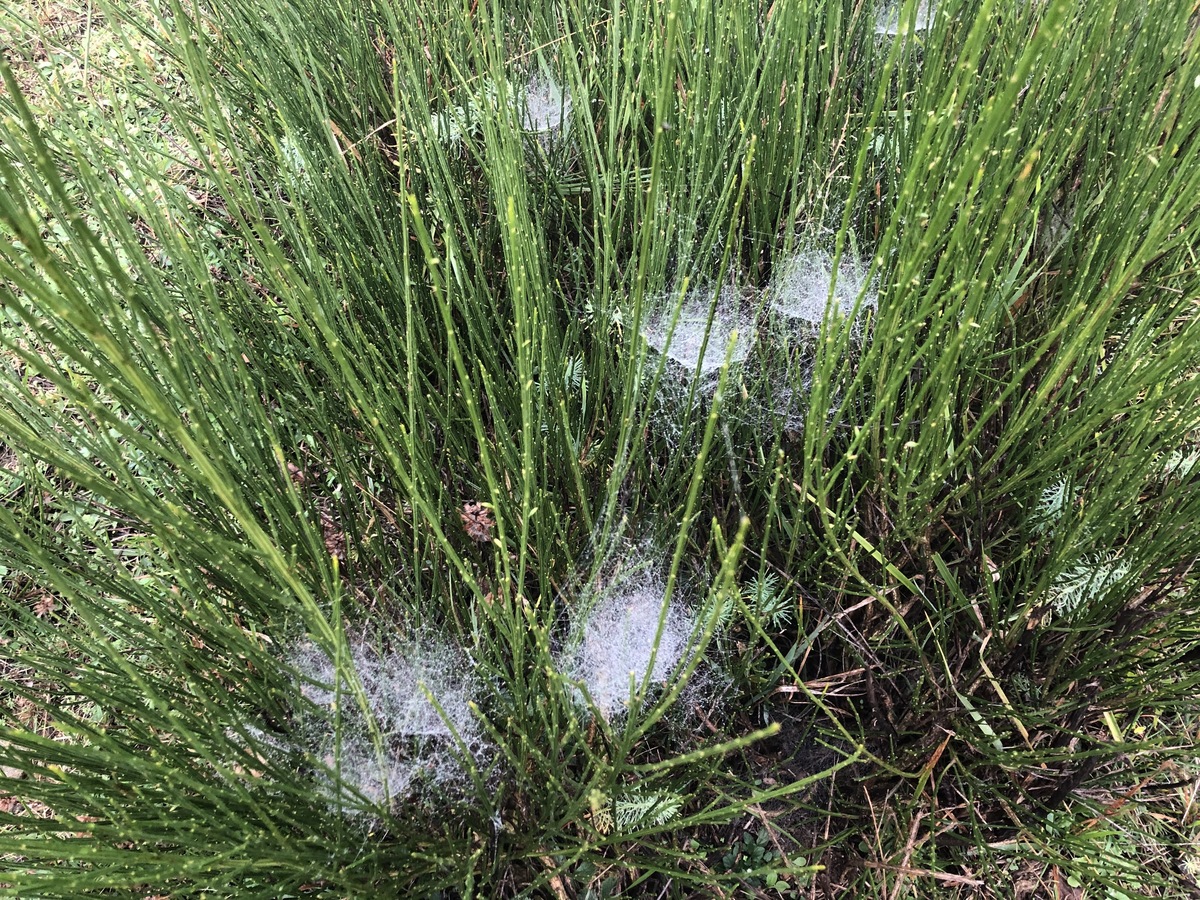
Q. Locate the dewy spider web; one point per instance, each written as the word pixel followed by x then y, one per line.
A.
pixel 695 351
pixel 613 625
pixel 419 737
pixel 694 346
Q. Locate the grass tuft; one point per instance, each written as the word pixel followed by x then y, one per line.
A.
pixel 345 345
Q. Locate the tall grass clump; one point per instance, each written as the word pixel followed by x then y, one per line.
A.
pixel 329 410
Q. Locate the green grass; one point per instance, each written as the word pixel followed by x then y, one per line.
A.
pixel 439 463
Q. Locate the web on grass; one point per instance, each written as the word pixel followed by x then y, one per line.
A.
pixel 692 352
pixel 690 342
pixel 805 292
pixel 618 644
pixel 419 738
pixel 805 285
pixel 890 19
pixel 545 106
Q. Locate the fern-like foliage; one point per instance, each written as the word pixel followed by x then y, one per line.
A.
pixel 1052 506
pixel 646 809
pixel 771 604
pixel 1087 581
